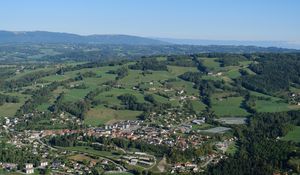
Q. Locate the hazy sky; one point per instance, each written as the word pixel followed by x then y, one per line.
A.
pixel 197 19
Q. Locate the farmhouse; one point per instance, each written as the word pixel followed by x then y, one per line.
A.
pixel 29 168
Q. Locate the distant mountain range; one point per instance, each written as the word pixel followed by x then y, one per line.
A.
pixel 56 37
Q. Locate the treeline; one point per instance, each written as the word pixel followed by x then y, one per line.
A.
pixel 249 102
pixel 232 59
pixel 131 102
pixel 77 108
pixel 121 72
pixel 8 99
pixel 78 55
pixel 149 64
pixel 181 60
pixel 195 77
pixel 259 150
pixel 80 76
pixel 200 65
pixel 206 87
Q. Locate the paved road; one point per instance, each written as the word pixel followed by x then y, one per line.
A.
pixel 46 145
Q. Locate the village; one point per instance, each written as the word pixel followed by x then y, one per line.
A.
pixel 54 158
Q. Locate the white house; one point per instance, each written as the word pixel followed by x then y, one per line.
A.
pixel 28 165
pixel 43 164
pixel 29 171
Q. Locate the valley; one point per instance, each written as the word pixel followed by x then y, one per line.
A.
pixel 183 109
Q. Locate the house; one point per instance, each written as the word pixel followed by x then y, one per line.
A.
pixel 29 168
pixel 219 73
pixel 9 166
pixel 28 165
pixel 181 92
pixel 29 171
pixel 43 164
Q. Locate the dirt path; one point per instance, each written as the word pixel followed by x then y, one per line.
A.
pixel 162 164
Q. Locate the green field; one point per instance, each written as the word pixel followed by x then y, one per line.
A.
pixel 198 105
pixel 177 70
pixel 90 150
pixel 201 127
pixel 76 94
pixel 228 106
pixel 180 84
pixel 274 104
pixel 293 135
pixel 233 73
pixel 111 97
pixel 4 172
pixel 135 77
pixel 10 109
pixel 271 106
pixel 103 115
pixel 211 63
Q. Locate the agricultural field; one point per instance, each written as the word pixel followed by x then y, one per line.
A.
pixel 10 109
pixel 90 150
pixel 293 135
pixel 101 115
pixel 211 63
pixel 270 103
pixel 229 106
pixel 177 70
pixel 162 85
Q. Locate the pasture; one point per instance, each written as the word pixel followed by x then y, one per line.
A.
pixel 293 135
pixel 10 109
pixel 102 115
pixel 229 106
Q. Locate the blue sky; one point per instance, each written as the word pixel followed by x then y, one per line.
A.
pixel 192 19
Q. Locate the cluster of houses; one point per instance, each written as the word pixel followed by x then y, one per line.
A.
pixel 9 123
pixel 78 168
pixel 136 130
pixel 166 134
pixel 184 168
pixel 223 146
pixel 28 168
